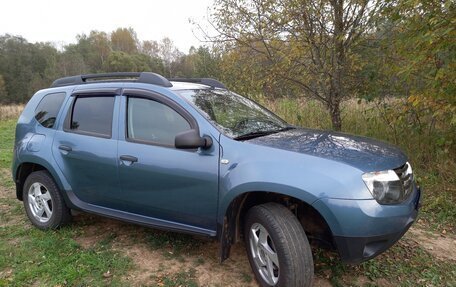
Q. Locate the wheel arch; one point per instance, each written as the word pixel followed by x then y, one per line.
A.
pixel 314 224
pixel 25 168
pixel 22 172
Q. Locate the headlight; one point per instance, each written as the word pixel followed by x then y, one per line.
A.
pixel 390 186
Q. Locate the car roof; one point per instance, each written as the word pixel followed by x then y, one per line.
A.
pixel 143 77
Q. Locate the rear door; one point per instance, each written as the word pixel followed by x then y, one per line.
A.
pixel 86 149
pixel 158 180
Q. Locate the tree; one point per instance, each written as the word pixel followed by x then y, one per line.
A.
pixel 169 54
pixel 144 62
pixel 243 71
pixel 124 40
pixel 3 93
pixel 25 67
pixel 100 49
pixel 422 47
pixel 200 62
pixel 425 41
pixel 15 66
pixel 93 48
pixel 120 62
pixel 71 62
pixel 304 42
pixel 151 48
pixel 207 63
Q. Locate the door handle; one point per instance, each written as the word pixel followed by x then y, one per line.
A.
pixel 65 148
pixel 128 158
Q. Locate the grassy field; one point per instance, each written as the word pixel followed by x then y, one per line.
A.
pixel 95 251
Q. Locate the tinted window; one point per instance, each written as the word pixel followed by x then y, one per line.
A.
pixel 152 121
pixel 47 110
pixel 93 115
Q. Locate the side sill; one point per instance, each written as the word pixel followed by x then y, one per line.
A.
pixel 139 219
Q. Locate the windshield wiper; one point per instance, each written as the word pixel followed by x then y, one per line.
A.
pixel 256 134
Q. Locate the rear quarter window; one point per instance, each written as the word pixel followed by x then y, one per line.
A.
pixel 47 110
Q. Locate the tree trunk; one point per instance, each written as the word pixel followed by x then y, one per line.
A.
pixel 338 65
pixel 336 120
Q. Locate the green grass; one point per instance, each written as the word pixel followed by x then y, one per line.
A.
pixel 7 132
pixel 29 256
pixel 246 277
pixel 54 257
pixel 405 264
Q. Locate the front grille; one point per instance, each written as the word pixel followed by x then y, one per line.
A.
pixel 406 176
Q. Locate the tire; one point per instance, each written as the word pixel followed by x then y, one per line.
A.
pixel 43 202
pixel 281 234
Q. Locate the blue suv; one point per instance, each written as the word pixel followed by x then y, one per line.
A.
pixel 189 155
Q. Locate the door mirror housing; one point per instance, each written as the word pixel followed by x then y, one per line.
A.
pixel 191 139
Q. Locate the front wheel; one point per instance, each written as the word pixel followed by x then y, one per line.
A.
pixel 277 247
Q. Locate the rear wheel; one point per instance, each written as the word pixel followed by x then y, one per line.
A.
pixel 277 247
pixel 43 202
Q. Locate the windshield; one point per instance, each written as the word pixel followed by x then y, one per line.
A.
pixel 236 116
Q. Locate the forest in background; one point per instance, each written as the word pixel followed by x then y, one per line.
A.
pixel 328 50
pixel 27 67
pixel 398 54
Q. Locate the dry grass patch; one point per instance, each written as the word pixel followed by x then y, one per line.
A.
pixel 164 258
pixel 10 111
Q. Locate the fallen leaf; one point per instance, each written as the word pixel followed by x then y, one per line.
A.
pixel 107 274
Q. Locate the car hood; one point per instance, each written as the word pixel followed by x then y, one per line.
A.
pixel 360 152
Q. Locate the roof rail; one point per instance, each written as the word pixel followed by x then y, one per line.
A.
pixel 144 77
pixel 204 81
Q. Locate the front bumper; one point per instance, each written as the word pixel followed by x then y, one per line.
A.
pixel 366 229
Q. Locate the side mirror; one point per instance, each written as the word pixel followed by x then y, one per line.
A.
pixel 191 139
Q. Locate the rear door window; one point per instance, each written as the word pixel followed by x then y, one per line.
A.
pixel 92 115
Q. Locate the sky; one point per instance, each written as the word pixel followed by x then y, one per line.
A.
pixel 60 21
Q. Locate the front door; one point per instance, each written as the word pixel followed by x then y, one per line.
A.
pixel 158 180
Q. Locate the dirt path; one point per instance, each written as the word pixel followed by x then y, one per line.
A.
pixel 442 246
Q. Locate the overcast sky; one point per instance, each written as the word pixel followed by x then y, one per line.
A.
pixel 60 21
